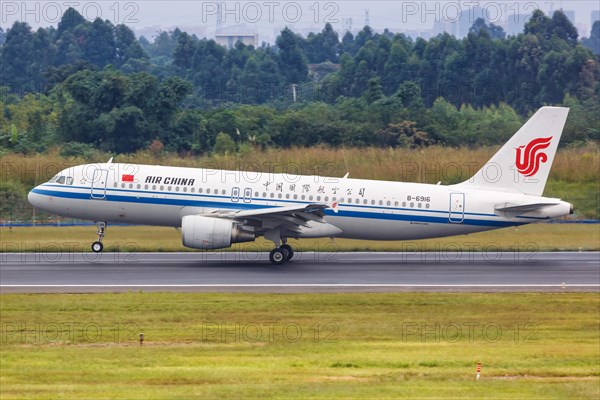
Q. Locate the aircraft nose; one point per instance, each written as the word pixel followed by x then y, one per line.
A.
pixel 34 198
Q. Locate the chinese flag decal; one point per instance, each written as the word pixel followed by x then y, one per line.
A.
pixel 127 178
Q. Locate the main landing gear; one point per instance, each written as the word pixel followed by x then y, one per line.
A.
pixel 97 246
pixel 281 254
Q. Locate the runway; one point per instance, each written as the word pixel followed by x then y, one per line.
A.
pixel 307 272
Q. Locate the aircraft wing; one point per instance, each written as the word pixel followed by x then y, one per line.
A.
pixel 293 221
pixel 310 209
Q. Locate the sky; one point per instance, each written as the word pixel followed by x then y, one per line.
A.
pixel 267 18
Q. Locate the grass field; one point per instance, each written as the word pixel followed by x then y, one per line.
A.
pixel 529 238
pixel 412 345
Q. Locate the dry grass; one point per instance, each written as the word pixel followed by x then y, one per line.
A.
pixel 427 165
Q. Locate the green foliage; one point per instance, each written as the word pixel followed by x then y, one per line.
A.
pixel 593 42
pixel 29 60
pixel 224 144
pixel 13 200
pixel 119 113
pixel 77 149
pixel 97 84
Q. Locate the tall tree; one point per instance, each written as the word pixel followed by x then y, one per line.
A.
pixel 292 61
pixel 593 42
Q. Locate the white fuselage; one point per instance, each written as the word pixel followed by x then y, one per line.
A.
pixel 361 209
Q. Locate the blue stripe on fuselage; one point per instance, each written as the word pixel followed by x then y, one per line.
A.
pixel 249 206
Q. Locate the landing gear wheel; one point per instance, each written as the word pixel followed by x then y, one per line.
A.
pixel 289 250
pixel 277 256
pixel 97 247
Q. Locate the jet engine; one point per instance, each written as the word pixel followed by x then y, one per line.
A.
pixel 200 232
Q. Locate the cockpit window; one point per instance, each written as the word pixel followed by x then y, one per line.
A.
pixel 62 180
pixel 54 178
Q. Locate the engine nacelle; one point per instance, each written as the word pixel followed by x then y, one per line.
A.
pixel 200 232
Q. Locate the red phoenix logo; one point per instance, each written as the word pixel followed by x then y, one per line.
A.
pixel 529 157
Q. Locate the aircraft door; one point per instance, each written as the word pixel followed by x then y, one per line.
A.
pixel 98 188
pixel 457 208
pixel 248 195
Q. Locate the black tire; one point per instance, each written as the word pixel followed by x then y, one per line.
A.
pixel 277 256
pixel 289 249
pixel 97 247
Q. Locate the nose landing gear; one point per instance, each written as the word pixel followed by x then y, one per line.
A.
pixel 97 246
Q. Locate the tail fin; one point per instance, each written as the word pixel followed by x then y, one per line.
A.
pixel 523 164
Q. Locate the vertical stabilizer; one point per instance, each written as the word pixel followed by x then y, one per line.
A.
pixel 523 164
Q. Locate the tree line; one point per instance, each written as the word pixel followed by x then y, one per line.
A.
pixel 93 84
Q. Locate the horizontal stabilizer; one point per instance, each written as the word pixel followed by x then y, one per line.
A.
pixel 511 210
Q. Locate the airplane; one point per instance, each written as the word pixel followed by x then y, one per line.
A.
pixel 216 208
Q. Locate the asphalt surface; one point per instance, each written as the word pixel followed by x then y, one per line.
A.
pixel 307 272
